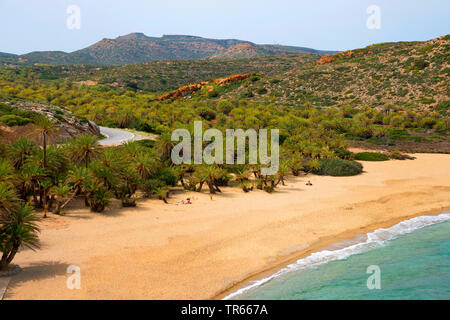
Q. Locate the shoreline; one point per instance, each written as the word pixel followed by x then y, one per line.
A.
pixel 216 245
pixel 319 246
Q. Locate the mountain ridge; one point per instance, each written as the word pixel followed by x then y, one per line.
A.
pixel 139 48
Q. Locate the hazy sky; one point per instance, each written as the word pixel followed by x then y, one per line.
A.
pixel 29 25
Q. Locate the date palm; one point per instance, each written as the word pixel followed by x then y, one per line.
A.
pixel 62 192
pixel 7 173
pixel 83 149
pixel 30 177
pixel 296 163
pixel 164 146
pixel 7 198
pixel 210 175
pixel 282 173
pixel 20 150
pixel 78 178
pixel 98 195
pixel 18 228
pixel 46 127
pixel 145 165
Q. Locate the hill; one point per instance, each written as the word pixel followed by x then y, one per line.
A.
pixel 162 75
pixel 414 74
pixel 138 48
pixel 390 95
pixel 19 118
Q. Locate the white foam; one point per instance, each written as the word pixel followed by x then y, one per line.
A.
pixel 374 240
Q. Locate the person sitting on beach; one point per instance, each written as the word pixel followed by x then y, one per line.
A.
pixel 188 201
pixel 309 183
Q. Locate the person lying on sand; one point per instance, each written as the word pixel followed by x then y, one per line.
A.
pixel 188 201
pixel 309 183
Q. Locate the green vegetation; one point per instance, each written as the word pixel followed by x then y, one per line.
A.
pixel 392 94
pixel 14 117
pixel 371 156
pixel 338 167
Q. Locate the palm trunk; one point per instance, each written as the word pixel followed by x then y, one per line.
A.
pixel 182 181
pixel 8 256
pixel 212 190
pixel 44 201
pixel 200 187
pixel 70 199
pixel 58 207
pixel 45 150
pixel 3 264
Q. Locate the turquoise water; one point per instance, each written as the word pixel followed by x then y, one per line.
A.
pixel 414 264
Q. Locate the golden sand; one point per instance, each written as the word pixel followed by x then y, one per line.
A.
pixel 200 251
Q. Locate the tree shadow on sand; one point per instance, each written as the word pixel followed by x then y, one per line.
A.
pixel 36 271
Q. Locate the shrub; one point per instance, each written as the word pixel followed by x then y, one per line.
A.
pixel 262 91
pixel 338 167
pixel 152 186
pixel 207 114
pixel 344 154
pixel 421 64
pixel 224 107
pixel 13 120
pixel 213 94
pixel 443 107
pixel 247 94
pixel 400 156
pixel 166 175
pixel 371 156
pixel 398 134
pixel 147 143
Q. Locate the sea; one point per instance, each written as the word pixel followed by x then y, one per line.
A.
pixel 408 261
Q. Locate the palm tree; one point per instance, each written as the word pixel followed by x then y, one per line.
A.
pixel 45 128
pixel 164 146
pixel 179 171
pixel 7 173
pixel 314 164
pixel 125 190
pixel 18 229
pixel 84 148
pixel 282 173
pixel 7 198
pixel 30 177
pixel 243 175
pixel 125 118
pixel 163 194
pixel 62 192
pixel 78 178
pixel 210 175
pixel 296 163
pixel 45 187
pixel 20 150
pixel 145 165
pixel 98 196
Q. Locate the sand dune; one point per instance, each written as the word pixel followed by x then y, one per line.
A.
pixel 199 251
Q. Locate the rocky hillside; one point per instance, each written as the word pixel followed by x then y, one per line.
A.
pixel 414 74
pixel 18 118
pixel 137 48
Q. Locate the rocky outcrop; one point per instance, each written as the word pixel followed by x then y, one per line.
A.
pixel 69 125
pixel 192 88
pixel 341 56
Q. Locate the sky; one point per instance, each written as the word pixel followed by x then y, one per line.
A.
pixel 38 25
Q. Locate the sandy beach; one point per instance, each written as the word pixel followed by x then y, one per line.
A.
pixel 203 250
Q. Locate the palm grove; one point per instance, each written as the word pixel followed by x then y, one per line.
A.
pixel 41 179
